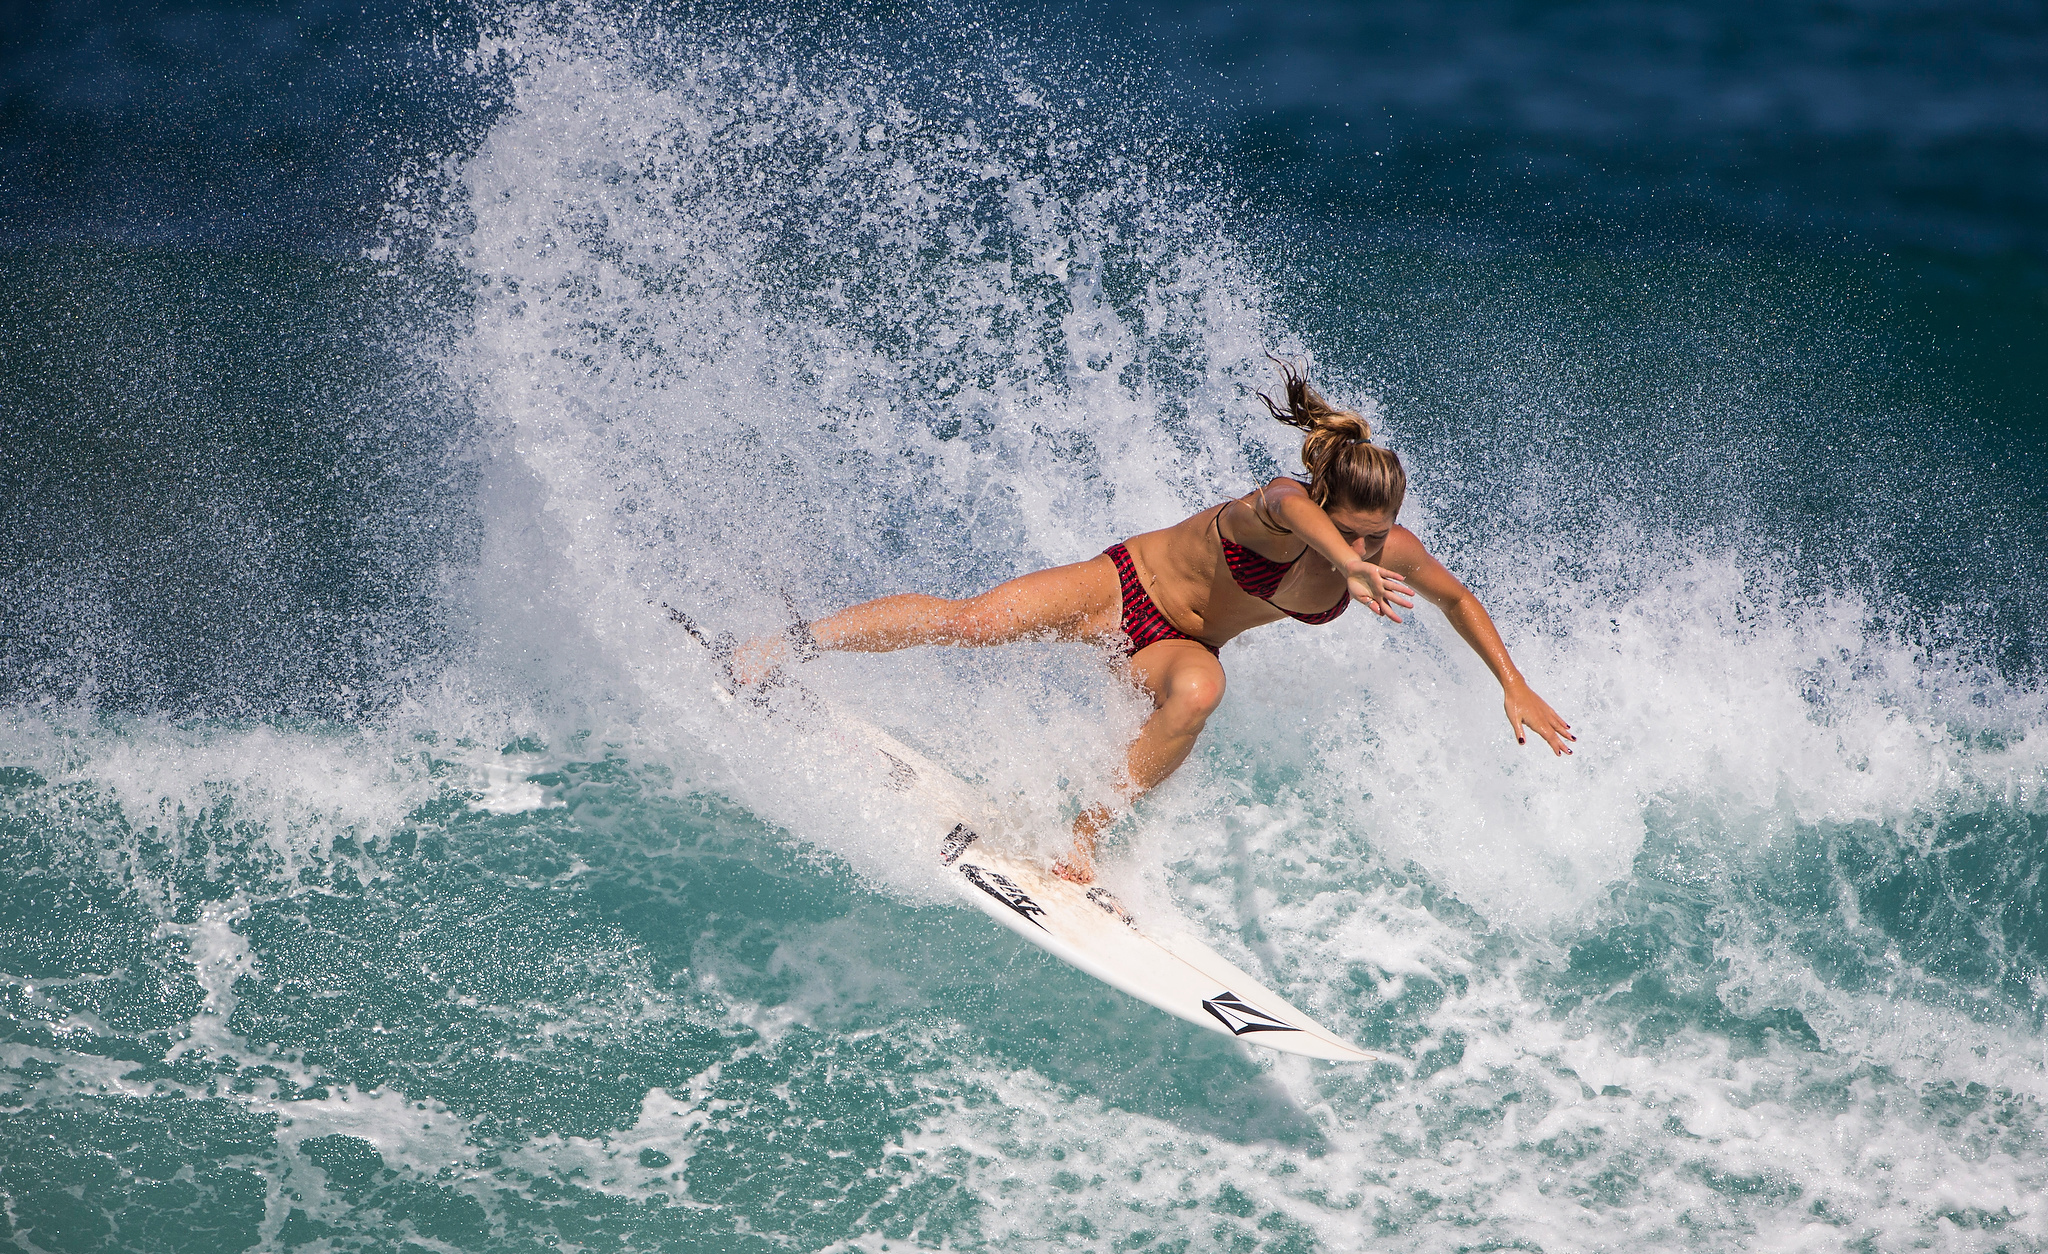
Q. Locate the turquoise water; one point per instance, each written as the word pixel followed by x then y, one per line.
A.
pixel 381 874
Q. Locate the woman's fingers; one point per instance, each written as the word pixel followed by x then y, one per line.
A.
pixel 1394 587
pixel 1555 733
pixel 1543 721
pixel 1383 590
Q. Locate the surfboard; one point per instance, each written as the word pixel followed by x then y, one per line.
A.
pixel 1156 959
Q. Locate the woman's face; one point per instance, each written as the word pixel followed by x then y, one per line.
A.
pixel 1365 530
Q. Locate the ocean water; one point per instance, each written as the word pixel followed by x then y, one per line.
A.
pixel 380 873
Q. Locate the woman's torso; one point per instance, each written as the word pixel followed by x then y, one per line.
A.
pixel 1184 572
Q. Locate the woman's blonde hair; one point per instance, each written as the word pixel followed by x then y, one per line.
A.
pixel 1346 470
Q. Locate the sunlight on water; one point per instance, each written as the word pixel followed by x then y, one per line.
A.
pixel 557 949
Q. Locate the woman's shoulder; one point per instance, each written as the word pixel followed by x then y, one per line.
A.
pixel 1403 548
pixel 1260 506
pixel 1281 484
pixel 1266 498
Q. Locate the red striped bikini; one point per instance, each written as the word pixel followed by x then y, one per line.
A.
pixel 1144 624
pixel 1260 576
pixel 1257 575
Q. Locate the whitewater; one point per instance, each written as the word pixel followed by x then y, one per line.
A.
pixel 535 944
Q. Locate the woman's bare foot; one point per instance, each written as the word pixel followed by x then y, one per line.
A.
pixel 1080 867
pixel 757 661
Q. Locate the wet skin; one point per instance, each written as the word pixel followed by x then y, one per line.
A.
pixel 1359 553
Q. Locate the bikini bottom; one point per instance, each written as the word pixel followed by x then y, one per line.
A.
pixel 1143 623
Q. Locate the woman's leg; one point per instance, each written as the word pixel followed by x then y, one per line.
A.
pixel 1185 682
pixel 1079 602
pixel 1084 602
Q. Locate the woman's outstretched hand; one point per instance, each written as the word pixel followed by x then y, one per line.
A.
pixel 1526 709
pixel 1379 589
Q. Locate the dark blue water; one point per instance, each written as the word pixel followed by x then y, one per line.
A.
pixel 378 874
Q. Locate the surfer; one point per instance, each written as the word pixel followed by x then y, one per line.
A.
pixel 1168 600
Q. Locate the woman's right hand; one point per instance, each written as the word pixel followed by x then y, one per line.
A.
pixel 1378 589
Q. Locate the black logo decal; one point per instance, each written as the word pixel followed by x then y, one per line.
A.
pixel 1233 1013
pixel 1107 900
pixel 901 777
pixel 998 886
pixel 956 843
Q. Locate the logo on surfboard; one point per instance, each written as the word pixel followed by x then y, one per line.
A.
pixel 1240 1017
pixel 956 843
pixel 1110 905
pixel 1003 889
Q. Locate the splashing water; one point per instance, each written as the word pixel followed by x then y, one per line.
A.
pixel 554 949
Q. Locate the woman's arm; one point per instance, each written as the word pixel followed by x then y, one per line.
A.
pixel 1378 589
pixel 1405 554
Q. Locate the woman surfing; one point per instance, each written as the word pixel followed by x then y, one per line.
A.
pixel 1168 600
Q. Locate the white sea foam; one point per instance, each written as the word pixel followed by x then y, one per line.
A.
pixel 750 322
pixel 665 330
pixel 706 420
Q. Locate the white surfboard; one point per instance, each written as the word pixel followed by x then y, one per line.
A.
pixel 1156 959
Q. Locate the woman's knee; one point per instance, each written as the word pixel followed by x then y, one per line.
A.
pixel 1194 694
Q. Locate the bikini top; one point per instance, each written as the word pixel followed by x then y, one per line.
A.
pixel 1260 576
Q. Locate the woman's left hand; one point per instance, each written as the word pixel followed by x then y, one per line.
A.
pixel 1526 709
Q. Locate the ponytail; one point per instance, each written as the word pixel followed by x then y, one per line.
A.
pixel 1346 470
